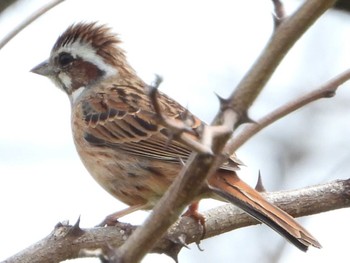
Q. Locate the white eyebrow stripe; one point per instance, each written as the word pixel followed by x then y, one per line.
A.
pixel 87 53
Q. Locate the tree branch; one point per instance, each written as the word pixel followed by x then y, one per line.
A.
pixel 326 90
pixel 68 242
pixel 29 20
pixel 199 166
pixel 285 36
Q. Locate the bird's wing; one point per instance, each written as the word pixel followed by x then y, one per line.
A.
pixel 123 118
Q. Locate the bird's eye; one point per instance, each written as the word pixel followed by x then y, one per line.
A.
pixel 64 59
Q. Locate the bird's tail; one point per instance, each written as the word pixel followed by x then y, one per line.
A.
pixel 227 185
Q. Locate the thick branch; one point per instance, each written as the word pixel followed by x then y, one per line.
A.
pixel 67 242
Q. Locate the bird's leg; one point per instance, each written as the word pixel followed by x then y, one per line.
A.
pixel 112 219
pixel 192 211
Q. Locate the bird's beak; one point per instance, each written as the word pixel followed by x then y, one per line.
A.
pixel 44 69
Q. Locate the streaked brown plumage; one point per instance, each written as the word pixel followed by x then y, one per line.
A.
pixel 119 140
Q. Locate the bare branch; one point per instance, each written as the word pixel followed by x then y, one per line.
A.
pixel 327 90
pixel 68 242
pixel 281 41
pixel 189 182
pixel 28 21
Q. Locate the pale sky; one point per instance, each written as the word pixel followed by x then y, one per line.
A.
pixel 199 48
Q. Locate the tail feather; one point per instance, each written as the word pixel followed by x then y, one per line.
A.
pixel 230 187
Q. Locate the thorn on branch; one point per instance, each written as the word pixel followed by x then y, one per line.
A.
pixel 329 94
pixel 244 118
pixel 224 103
pixel 76 230
pixel 229 119
pixel 259 184
pixel 176 245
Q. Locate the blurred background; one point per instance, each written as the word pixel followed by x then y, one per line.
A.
pixel 199 47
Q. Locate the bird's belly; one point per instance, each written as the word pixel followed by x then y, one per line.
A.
pixel 130 179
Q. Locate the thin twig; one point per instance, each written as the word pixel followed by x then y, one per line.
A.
pixel 28 21
pixel 327 90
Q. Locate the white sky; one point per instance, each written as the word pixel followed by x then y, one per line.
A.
pixel 199 48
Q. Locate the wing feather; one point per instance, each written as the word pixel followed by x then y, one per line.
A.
pixel 124 120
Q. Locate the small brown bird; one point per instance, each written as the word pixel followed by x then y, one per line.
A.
pixel 120 141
